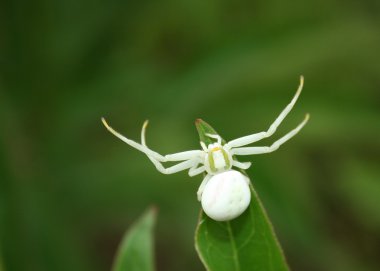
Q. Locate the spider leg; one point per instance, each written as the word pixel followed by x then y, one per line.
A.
pixel 204 147
pixel 190 163
pixel 274 146
pixel 245 140
pixel 196 170
pixel 176 168
pixel 217 137
pixel 134 144
pixel 242 165
pixel 179 156
pixel 202 186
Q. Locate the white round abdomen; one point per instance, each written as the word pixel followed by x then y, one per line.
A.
pixel 226 195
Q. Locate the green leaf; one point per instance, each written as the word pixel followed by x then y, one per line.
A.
pixel 247 243
pixel 136 250
pixel 204 128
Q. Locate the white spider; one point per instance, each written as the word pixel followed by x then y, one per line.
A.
pixel 224 192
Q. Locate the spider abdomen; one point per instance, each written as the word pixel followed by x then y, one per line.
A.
pixel 226 195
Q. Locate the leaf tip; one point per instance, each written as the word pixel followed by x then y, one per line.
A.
pixel 198 122
pixel 153 210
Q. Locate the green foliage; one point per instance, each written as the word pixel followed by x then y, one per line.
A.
pixel 247 243
pixel 204 128
pixel 136 249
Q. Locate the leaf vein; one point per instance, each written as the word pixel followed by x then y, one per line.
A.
pixel 233 246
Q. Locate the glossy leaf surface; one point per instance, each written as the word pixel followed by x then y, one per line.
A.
pixel 136 250
pixel 247 243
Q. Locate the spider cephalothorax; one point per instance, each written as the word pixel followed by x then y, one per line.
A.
pixel 216 158
pixel 224 192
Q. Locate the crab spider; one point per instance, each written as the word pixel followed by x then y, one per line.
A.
pixel 224 192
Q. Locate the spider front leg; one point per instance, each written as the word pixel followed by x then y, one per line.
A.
pixel 274 146
pixel 246 140
pixel 181 156
pixel 196 170
pixel 134 144
pixel 176 168
pixel 191 163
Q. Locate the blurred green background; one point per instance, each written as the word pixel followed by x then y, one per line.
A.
pixel 69 189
